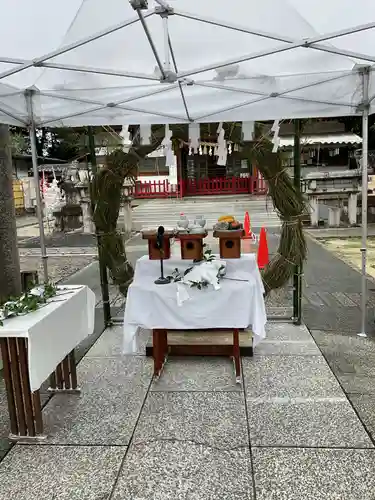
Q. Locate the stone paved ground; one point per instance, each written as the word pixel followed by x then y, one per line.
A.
pixel 287 432
pixel 302 426
pixel 332 294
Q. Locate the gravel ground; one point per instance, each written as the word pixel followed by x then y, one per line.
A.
pixel 59 268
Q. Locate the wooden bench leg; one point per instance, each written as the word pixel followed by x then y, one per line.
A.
pixel 236 355
pixel 64 378
pixel 25 415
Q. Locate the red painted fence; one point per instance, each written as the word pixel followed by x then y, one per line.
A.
pixel 155 189
pixel 234 185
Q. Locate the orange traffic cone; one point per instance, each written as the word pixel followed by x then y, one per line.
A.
pixel 247 228
pixel 263 256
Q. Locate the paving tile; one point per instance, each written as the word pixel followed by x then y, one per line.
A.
pixel 348 356
pixel 289 376
pixel 96 417
pixel 341 364
pixel 357 384
pixel 4 444
pixel 287 348
pixel 59 472
pixel 319 474
pixel 287 339
pixel 313 298
pixel 327 298
pixel 335 342
pixel 304 423
pixel 181 471
pixel 343 299
pixel 287 331
pixel 214 419
pixel 131 373
pixel 197 374
pixel 111 343
pixel 346 320
pixel 365 406
pixel 355 297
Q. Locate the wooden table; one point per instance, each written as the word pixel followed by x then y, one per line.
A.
pixel 237 307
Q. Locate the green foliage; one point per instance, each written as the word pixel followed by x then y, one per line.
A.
pixel 29 301
pixel 19 143
pixel 59 143
pixel 63 143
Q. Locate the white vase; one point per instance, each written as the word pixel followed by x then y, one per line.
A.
pixel 183 222
pixel 200 221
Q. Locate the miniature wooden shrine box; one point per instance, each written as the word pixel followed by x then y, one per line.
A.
pixel 192 246
pixel 154 252
pixel 229 243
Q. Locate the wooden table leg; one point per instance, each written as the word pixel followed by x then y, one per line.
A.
pixel 9 386
pixel 236 355
pixel 25 384
pixel 23 405
pixel 157 351
pixel 164 339
pixel 37 412
pixel 160 350
pixel 64 378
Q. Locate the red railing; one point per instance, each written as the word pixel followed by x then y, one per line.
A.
pixel 153 189
pixel 233 185
pixel 191 187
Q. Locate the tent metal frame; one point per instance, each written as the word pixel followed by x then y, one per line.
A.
pixel 164 10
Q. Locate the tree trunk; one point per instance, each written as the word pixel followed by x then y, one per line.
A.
pixel 10 275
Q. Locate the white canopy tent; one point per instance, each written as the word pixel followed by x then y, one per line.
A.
pixel 89 62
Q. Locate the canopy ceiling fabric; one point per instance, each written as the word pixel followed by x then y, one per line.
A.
pixel 235 61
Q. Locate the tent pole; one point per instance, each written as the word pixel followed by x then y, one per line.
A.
pixel 365 113
pixel 29 93
pixel 102 267
pixel 297 281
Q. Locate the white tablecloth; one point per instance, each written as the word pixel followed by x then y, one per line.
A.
pixel 54 330
pixel 238 304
